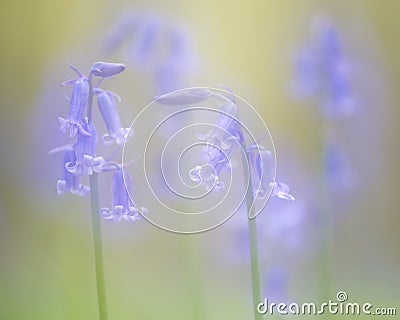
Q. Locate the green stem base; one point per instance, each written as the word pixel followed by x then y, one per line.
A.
pixel 98 247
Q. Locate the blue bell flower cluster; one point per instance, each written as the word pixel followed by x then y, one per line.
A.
pixel 222 141
pixel 80 157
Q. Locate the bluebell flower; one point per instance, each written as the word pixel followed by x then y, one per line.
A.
pixel 262 162
pixel 108 109
pixel 85 151
pixel 106 69
pixel 323 71
pixel 221 142
pixel 123 207
pixel 78 101
pixel 70 182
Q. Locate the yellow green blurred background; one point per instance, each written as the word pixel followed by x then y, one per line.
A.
pixel 46 266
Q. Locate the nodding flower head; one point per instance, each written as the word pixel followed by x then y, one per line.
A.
pixel 106 69
pixel 262 162
pixel 108 109
pixel 224 136
pixel 122 206
pixel 77 102
pixel 70 183
pixel 85 152
pixel 221 142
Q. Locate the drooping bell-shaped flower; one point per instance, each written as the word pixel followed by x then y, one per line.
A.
pixel 221 142
pixel 108 109
pixel 69 182
pixel 77 102
pixel 106 69
pixel 225 135
pixel 122 205
pixel 85 152
pixel 262 162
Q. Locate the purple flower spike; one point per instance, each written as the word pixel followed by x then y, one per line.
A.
pixel 78 101
pixel 123 207
pixel 85 152
pixel 70 183
pixel 106 69
pixel 108 109
pixel 262 163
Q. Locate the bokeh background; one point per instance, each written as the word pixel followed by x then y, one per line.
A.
pixel 46 266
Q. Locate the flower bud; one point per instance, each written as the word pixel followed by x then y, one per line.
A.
pixel 106 69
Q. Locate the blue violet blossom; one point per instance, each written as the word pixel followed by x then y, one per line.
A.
pixel 78 102
pixel 70 182
pixel 262 161
pixel 108 109
pixel 123 207
pixel 85 150
pixel 221 142
pixel 80 158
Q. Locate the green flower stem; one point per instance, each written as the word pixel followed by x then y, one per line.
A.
pixel 98 247
pixel 252 227
pixel 96 227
